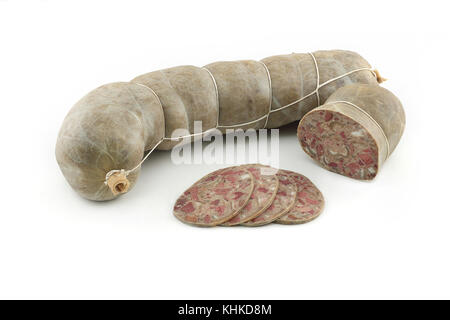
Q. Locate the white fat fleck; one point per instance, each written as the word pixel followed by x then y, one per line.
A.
pixel 358 133
pixel 371 170
pixel 268 171
pixel 361 173
pixel 332 152
pixel 245 176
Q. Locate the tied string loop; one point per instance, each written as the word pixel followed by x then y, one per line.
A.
pixel 264 117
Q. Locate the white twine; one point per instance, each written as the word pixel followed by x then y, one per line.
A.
pixel 266 116
pixel 270 93
pixel 370 117
pixel 217 94
pixel 318 78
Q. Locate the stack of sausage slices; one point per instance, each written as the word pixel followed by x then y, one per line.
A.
pixel 249 195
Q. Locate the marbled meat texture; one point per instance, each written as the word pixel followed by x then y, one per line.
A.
pixel 266 186
pixel 283 202
pixel 216 198
pixel 339 144
pixel 308 204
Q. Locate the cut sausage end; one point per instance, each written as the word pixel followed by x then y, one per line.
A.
pixel 339 144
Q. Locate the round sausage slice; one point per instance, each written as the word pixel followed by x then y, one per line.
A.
pixel 216 198
pixel 283 202
pixel 266 186
pixel 308 204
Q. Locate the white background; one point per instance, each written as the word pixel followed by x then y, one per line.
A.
pixel 388 238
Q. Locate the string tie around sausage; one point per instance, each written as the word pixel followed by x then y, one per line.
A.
pixel 264 117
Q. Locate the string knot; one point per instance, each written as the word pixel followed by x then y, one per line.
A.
pixel 380 79
pixel 117 181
